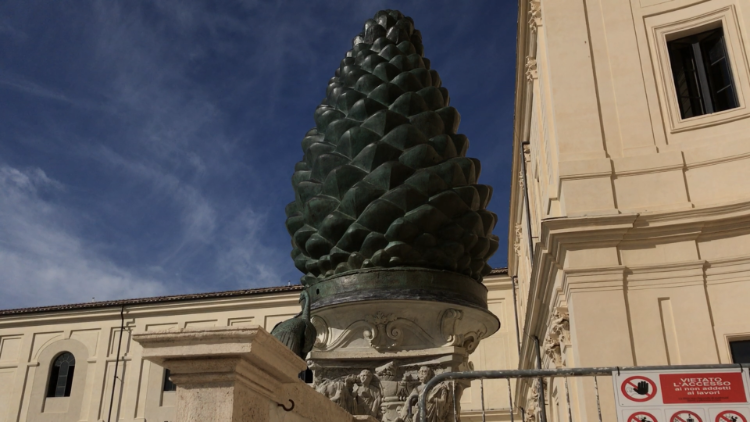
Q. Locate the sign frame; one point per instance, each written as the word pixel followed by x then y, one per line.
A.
pixel 715 390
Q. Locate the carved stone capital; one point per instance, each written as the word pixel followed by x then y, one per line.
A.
pixel 518 235
pixel 535 15
pixel 552 350
pixel 558 336
pixel 531 69
pixel 560 326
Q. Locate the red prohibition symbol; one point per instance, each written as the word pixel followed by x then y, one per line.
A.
pixel 730 416
pixel 639 389
pixel 643 417
pixel 685 416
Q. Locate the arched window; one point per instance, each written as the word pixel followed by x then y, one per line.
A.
pixel 61 375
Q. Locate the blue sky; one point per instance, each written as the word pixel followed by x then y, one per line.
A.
pixel 147 146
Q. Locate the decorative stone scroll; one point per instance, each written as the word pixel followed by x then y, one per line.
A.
pixel 383 327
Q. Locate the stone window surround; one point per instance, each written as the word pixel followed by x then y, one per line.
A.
pixel 38 399
pixel 692 20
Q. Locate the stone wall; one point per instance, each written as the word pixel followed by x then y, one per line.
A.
pixel 29 342
pixel 637 226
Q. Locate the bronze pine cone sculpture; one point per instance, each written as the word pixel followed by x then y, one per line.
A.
pixel 384 181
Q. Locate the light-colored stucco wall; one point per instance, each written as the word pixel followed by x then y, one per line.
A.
pixel 637 225
pixel 30 342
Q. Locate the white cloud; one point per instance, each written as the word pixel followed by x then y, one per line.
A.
pixel 243 255
pixel 43 261
pixel 197 214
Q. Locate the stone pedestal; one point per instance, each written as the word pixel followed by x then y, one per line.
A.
pixel 376 330
pixel 236 375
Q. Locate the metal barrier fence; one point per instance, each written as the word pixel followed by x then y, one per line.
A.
pixel 540 374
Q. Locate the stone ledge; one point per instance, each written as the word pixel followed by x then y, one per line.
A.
pixel 236 374
pixel 251 343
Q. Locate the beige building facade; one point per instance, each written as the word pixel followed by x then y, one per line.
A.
pixel 106 358
pixel 629 229
pixel 630 207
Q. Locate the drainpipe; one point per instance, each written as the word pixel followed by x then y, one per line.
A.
pixel 117 362
pixel 528 207
pixel 514 282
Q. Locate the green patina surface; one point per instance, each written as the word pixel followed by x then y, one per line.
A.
pixel 385 181
pixel 401 283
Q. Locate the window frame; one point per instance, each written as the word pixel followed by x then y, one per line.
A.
pixel 689 56
pixel 681 23
pixel 53 380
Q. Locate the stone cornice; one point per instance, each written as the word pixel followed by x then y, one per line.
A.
pixel 593 279
pixel 560 235
pixel 665 275
pixel 252 344
pixel 727 270
pixel 501 282
pixel 699 217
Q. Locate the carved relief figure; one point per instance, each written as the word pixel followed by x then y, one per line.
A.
pixel 340 392
pixel 368 396
pixel 439 399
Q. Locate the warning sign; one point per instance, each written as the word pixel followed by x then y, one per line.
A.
pixel 643 417
pixel 730 416
pixel 718 395
pixel 638 388
pixel 718 387
pixel 685 416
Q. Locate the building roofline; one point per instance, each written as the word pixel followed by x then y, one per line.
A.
pixel 152 300
pixel 168 299
pixel 499 271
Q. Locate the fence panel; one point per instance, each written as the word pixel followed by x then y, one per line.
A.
pixel 565 397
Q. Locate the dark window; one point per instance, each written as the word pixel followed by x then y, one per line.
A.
pixel 740 351
pixel 61 376
pixel 168 385
pixel 702 75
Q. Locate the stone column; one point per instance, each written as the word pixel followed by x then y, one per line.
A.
pixel 236 374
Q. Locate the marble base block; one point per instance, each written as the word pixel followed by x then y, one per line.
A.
pixel 236 375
